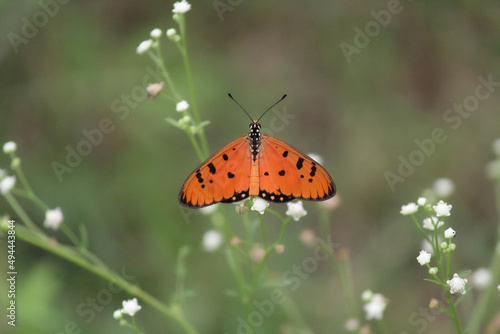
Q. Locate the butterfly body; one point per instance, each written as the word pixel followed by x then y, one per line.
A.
pixel 256 165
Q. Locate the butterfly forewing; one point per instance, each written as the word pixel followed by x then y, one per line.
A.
pixel 286 173
pixel 224 177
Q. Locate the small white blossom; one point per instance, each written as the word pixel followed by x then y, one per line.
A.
pixel 208 209
pixel 182 106
pixel 424 258
pixel 496 146
pixel 117 314
pixel 433 270
pixel 457 284
pixel 367 295
pixel 154 89
pixel 428 223
pixel 7 183
pixel 212 240
pixel 442 209
pixel 259 205
pixel 409 209
pixel 53 218
pixel 295 210
pixel 375 307
pixel 181 7
pixel 444 187
pixel 131 307
pixel 144 46
pixel 481 278
pixel 449 233
pixel 171 32
pixel 316 157
pixel 9 147
pixel 422 201
pixel 155 33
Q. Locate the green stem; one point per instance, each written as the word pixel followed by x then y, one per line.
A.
pixel 158 60
pixel 453 311
pixel 21 213
pixel 71 255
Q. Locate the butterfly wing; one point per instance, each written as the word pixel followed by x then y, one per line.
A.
pixel 286 173
pixel 224 177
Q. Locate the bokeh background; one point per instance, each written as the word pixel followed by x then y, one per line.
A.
pixel 360 113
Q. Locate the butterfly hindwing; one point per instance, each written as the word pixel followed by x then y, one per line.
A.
pixel 286 173
pixel 224 177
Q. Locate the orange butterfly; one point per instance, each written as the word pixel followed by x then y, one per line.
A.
pixel 256 165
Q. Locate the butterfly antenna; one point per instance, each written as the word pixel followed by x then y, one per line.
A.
pixel 271 107
pixel 232 98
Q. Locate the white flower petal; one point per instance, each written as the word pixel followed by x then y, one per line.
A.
pixel 457 285
pixel 131 307
pixel 7 183
pixel 53 218
pixel 295 210
pixel 259 205
pixel 181 7
pixel 409 209
pixel 9 147
pixel 212 240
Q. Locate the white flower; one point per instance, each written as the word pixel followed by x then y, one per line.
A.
pixel 208 209
pixel 7 184
pixel 182 106
pixel 259 205
pixel 171 32
pixel 131 307
pixel 117 314
pixel 457 284
pixel 155 33
pixel 481 278
pixel 424 258
pixel 496 146
pixel 444 187
pixel 9 147
pixel 375 307
pixel 181 7
pixel 316 157
pixel 422 201
pixel 212 240
pixel 144 46
pixel 409 209
pixel 295 210
pixel 53 218
pixel 442 209
pixel 154 89
pixel 367 295
pixel 428 223
pixel 449 233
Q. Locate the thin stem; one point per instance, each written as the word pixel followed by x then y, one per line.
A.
pixel 71 255
pixel 158 60
pixel 21 213
pixel 453 311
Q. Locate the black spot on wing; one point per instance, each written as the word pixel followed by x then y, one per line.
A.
pixel 300 163
pixel 230 175
pixel 281 172
pixel 285 154
pixel 224 156
pixel 211 168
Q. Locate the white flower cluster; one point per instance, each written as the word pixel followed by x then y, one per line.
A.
pixel 130 307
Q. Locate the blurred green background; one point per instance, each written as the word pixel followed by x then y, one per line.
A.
pixel 360 115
